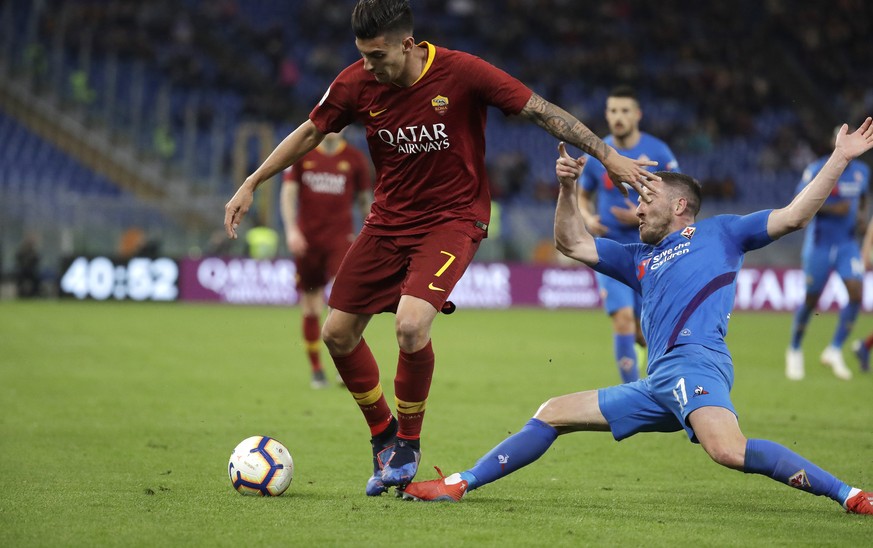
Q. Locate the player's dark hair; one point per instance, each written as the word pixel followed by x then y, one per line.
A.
pixel 372 18
pixel 624 91
pixel 687 186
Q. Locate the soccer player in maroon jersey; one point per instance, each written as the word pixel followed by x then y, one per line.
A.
pixel 424 111
pixel 323 185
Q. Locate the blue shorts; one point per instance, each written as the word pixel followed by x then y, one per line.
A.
pixel 820 261
pixel 615 295
pixel 688 377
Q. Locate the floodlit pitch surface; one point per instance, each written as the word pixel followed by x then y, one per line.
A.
pixel 118 420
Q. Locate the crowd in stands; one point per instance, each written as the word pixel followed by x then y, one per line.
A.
pixel 761 78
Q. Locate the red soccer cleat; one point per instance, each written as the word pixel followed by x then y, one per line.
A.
pixel 861 503
pixel 450 489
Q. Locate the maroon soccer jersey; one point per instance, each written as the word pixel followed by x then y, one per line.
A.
pixel 328 185
pixel 427 140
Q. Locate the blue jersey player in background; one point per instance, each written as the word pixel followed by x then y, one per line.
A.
pixel 685 270
pixel 830 244
pixel 607 212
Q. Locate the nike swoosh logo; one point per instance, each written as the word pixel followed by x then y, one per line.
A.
pixel 435 288
pixel 377 113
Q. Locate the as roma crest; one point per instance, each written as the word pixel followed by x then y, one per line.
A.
pixel 440 104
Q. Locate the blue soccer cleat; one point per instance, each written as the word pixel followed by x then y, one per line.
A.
pixel 382 453
pixel 863 354
pixel 403 464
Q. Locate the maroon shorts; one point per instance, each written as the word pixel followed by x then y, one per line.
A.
pixel 320 263
pixel 377 270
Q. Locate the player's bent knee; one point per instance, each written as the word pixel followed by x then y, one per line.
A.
pixel 338 342
pixel 411 335
pixel 543 413
pixel 727 455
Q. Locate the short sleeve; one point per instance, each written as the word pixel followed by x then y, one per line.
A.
pixel 335 111
pixel 619 261
pixel 748 231
pixel 495 86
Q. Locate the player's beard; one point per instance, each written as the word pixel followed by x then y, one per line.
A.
pixel 653 230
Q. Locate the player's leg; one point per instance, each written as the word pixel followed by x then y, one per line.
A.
pixel 832 355
pixel 625 410
pixel 360 374
pixel 436 263
pixel 624 344
pixel 311 308
pixel 816 267
pixel 618 300
pixel 570 413
pixel 415 365
pixel 801 317
pixel 861 349
pixel 851 271
pixel 368 283
pixel 719 434
pixel 310 286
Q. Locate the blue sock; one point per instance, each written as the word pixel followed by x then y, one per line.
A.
pixel 626 357
pixel 783 465
pixel 798 328
pixel 516 451
pixel 847 320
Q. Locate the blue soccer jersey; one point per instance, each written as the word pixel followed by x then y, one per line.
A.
pixel 827 230
pixel 595 179
pixel 688 280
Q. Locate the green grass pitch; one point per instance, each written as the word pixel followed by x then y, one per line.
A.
pixel 118 420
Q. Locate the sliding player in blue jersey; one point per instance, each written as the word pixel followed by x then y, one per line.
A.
pixel 830 244
pixel 607 212
pixel 685 271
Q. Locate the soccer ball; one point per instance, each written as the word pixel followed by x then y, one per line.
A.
pixel 260 466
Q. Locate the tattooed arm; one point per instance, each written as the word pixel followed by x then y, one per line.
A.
pixel 565 127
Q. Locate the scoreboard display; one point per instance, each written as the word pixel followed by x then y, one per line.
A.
pixel 137 279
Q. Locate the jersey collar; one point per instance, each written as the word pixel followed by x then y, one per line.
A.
pixel 431 53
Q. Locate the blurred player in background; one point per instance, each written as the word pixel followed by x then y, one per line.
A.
pixel 317 197
pixel 829 245
pixel 614 216
pixel 685 270
pixel 861 348
pixel 424 109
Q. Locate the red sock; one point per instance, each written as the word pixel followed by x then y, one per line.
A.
pixel 360 373
pixel 868 342
pixel 411 387
pixel 312 340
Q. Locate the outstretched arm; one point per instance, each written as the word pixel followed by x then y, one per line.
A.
pixel 303 139
pixel 571 237
pixel 803 207
pixel 566 127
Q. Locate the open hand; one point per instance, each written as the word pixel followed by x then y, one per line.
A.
pixel 852 145
pixel 236 209
pixel 622 169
